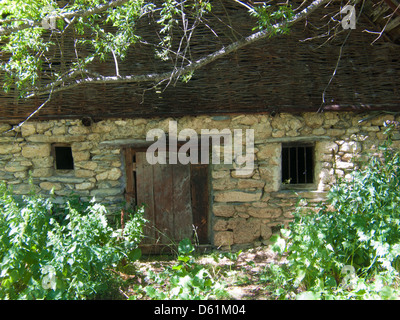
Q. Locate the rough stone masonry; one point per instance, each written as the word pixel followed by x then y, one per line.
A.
pixel 244 209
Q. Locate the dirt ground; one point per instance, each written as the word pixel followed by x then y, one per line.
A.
pixel 240 274
pixel 247 269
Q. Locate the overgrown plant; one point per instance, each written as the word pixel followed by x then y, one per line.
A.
pixel 66 258
pixel 349 246
pixel 186 280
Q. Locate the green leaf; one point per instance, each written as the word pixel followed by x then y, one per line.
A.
pixel 308 295
pixel 150 291
pixel 330 281
pixel 279 245
pixel 135 254
pixel 387 293
pixel 184 259
pixel 177 267
pixel 185 247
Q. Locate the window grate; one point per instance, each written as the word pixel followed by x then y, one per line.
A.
pixel 297 164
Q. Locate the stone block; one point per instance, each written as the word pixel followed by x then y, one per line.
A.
pixel 246 120
pixel 5 127
pixel 237 196
pixel 319 131
pixel 19 175
pixel 278 133
pixel 261 132
pixel 42 172
pixel 220 225
pixel 42 138
pixel 224 238
pixel 28 129
pixel 80 146
pixel 50 185
pixel 43 126
pixel 326 147
pixel 24 188
pixel 224 184
pixel 350 146
pixel 267 151
pixel 102 127
pixel 102 193
pixel 335 132
pixel 344 165
pixel 314 120
pixel 266 231
pixel 9 148
pixel 286 121
pixel 265 213
pixel 36 150
pixel 380 120
pixel 44 162
pixel 84 186
pixel 245 230
pixel 81 155
pixel 88 165
pixel 78 130
pixel 65 179
pixel 220 174
pixel 223 210
pixel 83 173
pixel 250 183
pixel 113 174
pixel 59 130
pixel 244 173
pixel 15 167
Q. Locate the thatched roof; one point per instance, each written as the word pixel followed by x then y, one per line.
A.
pixel 287 73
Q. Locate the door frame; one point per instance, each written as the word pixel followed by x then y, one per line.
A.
pixel 200 195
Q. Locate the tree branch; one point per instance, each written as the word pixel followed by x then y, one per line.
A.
pixel 67 15
pixel 60 85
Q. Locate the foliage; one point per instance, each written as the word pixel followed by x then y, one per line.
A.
pixel 349 247
pixel 186 280
pixel 268 15
pixel 106 34
pixel 32 36
pixel 44 257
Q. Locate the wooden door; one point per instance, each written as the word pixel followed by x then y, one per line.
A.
pixel 175 198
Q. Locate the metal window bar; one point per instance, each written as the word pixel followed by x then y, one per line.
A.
pixel 301 169
pixel 297 164
pixel 305 164
pixel 289 176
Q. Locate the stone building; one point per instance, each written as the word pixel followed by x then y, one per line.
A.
pixel 91 141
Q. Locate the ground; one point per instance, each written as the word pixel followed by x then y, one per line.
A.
pixel 242 273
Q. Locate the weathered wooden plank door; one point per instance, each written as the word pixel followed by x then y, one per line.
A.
pixel 175 198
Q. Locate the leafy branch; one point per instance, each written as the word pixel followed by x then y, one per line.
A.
pixel 271 23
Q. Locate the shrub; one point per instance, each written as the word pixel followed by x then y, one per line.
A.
pixel 186 280
pixel 42 257
pixel 357 230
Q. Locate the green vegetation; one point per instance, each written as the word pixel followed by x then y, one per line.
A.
pixel 48 256
pixel 32 35
pixel 345 248
pixel 349 247
pixel 184 280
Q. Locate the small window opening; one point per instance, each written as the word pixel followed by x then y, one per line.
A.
pixel 297 164
pixel 63 157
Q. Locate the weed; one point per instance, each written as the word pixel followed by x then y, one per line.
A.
pixel 361 234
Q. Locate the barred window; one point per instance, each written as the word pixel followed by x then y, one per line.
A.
pixel 297 163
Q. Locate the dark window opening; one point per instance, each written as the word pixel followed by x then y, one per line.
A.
pixel 63 158
pixel 297 164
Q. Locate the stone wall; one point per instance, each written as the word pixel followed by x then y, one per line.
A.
pixel 244 209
